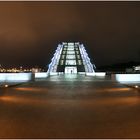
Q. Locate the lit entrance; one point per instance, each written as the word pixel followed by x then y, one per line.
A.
pixel 70 70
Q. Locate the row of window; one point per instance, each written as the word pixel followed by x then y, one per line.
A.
pixel 70 62
pixel 70 56
pixel 70 49
pixel 70 52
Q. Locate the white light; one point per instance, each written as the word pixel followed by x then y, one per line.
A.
pixel 137 68
pixel 100 74
pixel 53 73
pixel 86 60
pixel 81 73
pixel 41 75
pixel 136 86
pixel 90 74
pixel 8 77
pixel 127 77
pixel 70 56
pixel 70 62
pixel 71 70
pixel 70 48
pixel 70 44
pixel 70 52
pixel 5 86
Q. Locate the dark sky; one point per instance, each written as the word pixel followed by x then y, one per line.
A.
pixel 30 31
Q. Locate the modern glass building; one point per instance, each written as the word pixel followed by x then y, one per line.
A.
pixel 70 58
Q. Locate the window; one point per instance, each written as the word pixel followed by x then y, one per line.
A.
pixel 70 62
pixel 70 48
pixel 79 62
pixel 70 57
pixel 71 70
pixel 63 56
pixel 62 62
pixel 65 49
pixel 77 52
pixel 78 56
pixel 64 52
pixel 70 52
pixel 71 44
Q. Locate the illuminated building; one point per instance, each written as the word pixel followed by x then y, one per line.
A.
pixel 71 58
pixel 137 68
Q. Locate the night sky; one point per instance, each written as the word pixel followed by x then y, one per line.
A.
pixel 30 31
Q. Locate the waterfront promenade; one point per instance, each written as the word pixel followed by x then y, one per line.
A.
pixel 70 107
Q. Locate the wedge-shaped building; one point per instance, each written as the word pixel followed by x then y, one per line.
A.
pixel 70 58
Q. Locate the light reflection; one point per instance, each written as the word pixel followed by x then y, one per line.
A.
pixel 136 86
pixel 113 90
pixel 118 89
pixel 30 89
pixel 119 101
pixel 74 76
pixel 6 98
pixel 5 86
pixel 23 100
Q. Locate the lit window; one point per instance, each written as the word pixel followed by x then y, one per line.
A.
pixel 70 70
pixel 70 62
pixel 79 62
pixel 70 57
pixel 64 43
pixel 64 52
pixel 63 56
pixel 70 52
pixel 78 56
pixel 65 49
pixel 77 52
pixel 70 44
pixel 70 48
pixel 62 62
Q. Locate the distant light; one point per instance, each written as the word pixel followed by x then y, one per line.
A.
pixel 5 86
pixel 137 68
pixel 136 86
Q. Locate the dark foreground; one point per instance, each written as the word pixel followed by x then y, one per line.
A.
pixel 93 108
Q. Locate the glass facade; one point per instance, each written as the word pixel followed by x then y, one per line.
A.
pixel 71 58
